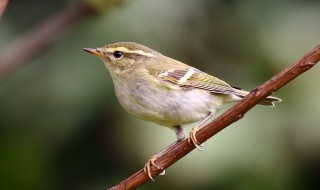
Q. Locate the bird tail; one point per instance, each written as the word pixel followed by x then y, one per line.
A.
pixel 268 101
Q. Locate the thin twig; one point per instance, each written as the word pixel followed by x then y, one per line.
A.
pixel 3 4
pixel 173 153
pixel 37 40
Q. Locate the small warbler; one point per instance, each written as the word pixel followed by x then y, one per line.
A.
pixel 165 91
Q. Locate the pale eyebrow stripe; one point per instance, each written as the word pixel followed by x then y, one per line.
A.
pixel 125 50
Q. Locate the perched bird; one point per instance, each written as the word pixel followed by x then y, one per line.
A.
pixel 165 91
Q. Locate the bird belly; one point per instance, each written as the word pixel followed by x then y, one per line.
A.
pixel 168 107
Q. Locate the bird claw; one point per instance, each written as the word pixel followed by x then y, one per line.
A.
pixel 147 167
pixel 193 139
pixel 163 172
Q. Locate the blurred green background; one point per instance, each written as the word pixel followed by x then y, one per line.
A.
pixel 61 126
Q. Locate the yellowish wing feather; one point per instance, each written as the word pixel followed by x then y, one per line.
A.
pixel 193 78
pixel 198 79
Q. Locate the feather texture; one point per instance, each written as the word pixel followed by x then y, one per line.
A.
pixel 192 78
pixel 198 79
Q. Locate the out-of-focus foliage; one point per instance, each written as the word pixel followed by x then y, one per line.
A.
pixel 62 128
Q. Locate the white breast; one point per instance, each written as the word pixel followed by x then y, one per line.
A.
pixel 164 106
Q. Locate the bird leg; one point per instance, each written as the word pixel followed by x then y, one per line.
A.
pixel 151 162
pixel 192 136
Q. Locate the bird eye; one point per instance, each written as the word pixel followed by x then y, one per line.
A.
pixel 117 54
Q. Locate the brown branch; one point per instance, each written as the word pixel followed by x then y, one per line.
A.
pixel 175 152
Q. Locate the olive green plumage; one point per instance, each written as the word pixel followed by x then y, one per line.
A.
pixel 165 91
pixel 159 89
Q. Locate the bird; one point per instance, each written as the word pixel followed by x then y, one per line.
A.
pixel 162 90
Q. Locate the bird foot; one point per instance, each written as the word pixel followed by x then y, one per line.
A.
pixel 193 139
pixel 149 164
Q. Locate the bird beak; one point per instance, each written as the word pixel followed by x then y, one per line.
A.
pixel 96 52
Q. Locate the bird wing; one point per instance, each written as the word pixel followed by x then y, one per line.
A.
pixel 191 78
pixel 194 78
